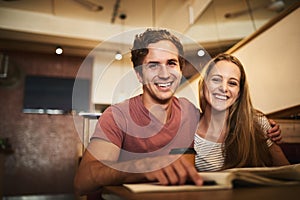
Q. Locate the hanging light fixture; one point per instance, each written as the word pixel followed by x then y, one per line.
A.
pixel 122 16
pixel 93 6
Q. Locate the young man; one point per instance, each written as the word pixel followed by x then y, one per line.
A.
pixel 133 139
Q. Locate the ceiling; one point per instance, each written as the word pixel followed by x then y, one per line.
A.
pixel 79 25
pixel 41 25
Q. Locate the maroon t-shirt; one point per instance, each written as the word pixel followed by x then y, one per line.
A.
pixel 130 126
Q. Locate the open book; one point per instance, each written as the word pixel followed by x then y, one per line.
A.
pixel 227 179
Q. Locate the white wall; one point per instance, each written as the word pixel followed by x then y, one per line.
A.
pixel 189 90
pixel 271 61
pixel 272 66
pixel 113 81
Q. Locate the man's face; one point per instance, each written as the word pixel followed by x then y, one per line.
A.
pixel 161 73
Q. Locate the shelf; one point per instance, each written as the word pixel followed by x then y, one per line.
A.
pixel 90 115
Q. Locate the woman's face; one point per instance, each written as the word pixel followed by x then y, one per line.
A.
pixel 222 85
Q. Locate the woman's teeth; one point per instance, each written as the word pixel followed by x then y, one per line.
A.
pixel 222 97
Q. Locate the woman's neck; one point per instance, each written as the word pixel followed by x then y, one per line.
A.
pixel 213 125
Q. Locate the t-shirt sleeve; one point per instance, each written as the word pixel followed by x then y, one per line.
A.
pixel 193 116
pixel 109 126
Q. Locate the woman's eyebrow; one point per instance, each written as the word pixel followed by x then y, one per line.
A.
pixel 236 79
pixel 218 75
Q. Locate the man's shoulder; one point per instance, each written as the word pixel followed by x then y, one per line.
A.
pixel 124 106
pixel 187 108
pixel 183 99
pixel 186 102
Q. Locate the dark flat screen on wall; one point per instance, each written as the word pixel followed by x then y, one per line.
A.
pixel 55 95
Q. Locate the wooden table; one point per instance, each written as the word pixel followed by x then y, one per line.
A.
pixel 245 193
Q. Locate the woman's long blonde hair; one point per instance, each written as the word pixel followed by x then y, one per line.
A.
pixel 245 144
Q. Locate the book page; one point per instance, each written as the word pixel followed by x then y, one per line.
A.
pixel 267 176
pixel 212 181
pixel 155 187
pixel 282 173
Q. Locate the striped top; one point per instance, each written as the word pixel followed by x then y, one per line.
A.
pixel 209 154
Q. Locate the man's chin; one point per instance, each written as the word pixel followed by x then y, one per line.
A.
pixel 165 98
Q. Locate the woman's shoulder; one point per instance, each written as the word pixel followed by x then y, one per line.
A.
pixel 261 118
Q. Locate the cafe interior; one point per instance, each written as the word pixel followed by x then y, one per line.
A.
pixel 62 63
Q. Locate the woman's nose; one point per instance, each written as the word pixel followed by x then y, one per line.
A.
pixel 223 86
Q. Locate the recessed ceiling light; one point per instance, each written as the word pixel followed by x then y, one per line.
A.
pixel 118 56
pixel 201 53
pixel 58 50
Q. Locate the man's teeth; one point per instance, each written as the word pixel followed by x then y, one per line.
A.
pixel 164 84
pixel 221 97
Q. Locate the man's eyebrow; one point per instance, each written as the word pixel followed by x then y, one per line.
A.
pixel 173 60
pixel 152 63
pixel 158 62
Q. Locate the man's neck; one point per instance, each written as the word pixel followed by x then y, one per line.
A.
pixel 161 110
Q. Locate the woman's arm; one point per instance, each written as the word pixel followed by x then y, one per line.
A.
pixel 278 156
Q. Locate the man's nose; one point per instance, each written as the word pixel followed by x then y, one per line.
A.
pixel 164 71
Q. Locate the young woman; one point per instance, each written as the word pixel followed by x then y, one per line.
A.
pixel 231 132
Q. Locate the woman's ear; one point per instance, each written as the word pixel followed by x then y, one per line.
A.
pixel 239 94
pixel 201 101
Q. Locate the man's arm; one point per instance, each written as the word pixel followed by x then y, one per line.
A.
pixel 99 167
pixel 92 174
pixel 275 133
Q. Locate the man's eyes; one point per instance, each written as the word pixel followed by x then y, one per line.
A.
pixel 172 63
pixel 153 65
pixel 156 65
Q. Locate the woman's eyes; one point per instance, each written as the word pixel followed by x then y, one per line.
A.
pixel 233 83
pixel 216 80
pixel 220 80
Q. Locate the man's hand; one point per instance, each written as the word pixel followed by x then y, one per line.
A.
pixel 275 133
pixel 176 173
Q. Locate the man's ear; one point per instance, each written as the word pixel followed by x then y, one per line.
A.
pixel 139 76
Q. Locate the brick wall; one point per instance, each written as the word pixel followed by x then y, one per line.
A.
pixel 45 146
